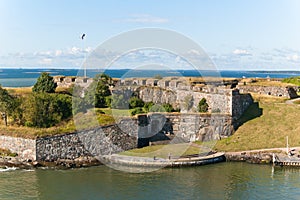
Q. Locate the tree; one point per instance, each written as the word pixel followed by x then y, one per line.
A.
pixel 118 101
pixel 45 83
pixel 8 104
pixel 45 110
pixel 98 91
pixel 202 105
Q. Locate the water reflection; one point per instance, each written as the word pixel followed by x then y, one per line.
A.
pixel 220 181
pixel 19 184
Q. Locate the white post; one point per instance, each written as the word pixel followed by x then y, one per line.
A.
pixel 83 46
pixel 274 158
pixel 287 145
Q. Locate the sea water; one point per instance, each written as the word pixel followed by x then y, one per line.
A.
pixel 28 77
pixel 217 181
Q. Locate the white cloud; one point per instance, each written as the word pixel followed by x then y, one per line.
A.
pixel 74 50
pixel 294 57
pixel 45 61
pixel 146 18
pixel 241 52
pixel 194 52
pixel 58 52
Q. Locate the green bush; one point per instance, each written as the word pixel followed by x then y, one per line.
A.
pixel 98 91
pixel 148 105
pixel 168 107
pixel 45 110
pixel 151 107
pixel 202 106
pixel 119 102
pixel 9 106
pixel 157 108
pixel 137 110
pixel 135 102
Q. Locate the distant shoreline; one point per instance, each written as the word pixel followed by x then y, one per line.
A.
pixel 27 77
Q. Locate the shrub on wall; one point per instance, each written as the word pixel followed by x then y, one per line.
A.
pixel 148 105
pixel 137 110
pixel 202 105
pixel 135 102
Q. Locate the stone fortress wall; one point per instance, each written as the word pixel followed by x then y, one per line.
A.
pixel 226 105
pixel 174 90
pixel 288 92
pixel 69 81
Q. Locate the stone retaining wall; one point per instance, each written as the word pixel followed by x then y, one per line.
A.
pixel 95 142
pixel 25 148
pixel 240 104
pixel 129 133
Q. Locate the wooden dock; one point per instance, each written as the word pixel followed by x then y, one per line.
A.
pixel 282 160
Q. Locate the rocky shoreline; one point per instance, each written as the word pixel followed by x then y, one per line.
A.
pixel 15 162
pixel 249 157
pixel 252 157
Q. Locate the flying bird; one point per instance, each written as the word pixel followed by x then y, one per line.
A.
pixel 83 35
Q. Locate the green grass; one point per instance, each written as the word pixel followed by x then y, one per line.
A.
pixel 294 80
pixel 271 83
pixel 5 152
pixel 267 129
pixel 19 90
pixel 115 112
pixel 81 121
pixel 163 151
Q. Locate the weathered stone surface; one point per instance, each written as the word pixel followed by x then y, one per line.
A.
pixel 289 92
pixel 25 148
pixel 95 142
pixel 240 103
pixel 220 99
pixel 186 127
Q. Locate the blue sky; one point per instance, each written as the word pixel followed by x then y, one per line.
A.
pixel 236 34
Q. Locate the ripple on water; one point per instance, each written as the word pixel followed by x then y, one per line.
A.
pixel 220 181
pixel 18 184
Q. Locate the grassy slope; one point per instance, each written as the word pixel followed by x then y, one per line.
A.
pixel 271 83
pixel 83 121
pixel 277 121
pixel 163 151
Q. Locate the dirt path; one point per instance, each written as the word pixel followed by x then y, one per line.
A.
pixel 264 150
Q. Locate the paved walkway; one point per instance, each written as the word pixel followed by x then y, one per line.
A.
pixel 291 101
pixel 155 161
